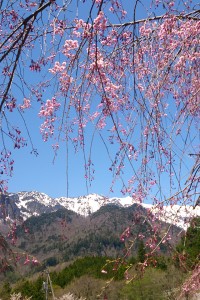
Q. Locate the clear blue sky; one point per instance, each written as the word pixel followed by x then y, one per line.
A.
pixel 41 174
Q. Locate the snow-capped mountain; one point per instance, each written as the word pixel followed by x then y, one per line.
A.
pixel 27 204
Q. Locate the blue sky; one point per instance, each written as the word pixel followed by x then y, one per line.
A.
pixel 41 174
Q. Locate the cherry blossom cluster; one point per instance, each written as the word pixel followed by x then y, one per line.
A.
pixel 68 46
pixel 6 163
pixel 48 112
pixel 26 104
pixel 100 22
pixel 82 29
pixel 58 26
pixel 117 7
pixel 125 234
pixel 191 285
pixel 31 260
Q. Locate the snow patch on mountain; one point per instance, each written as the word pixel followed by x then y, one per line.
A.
pixel 177 215
pixel 35 203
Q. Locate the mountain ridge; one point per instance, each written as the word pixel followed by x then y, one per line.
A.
pixel 23 205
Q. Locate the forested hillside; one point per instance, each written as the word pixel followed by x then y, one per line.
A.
pixel 65 235
pixel 118 277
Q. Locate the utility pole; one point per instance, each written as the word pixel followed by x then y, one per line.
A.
pixel 47 284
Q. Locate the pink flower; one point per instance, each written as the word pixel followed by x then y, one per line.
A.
pixel 100 22
pixel 69 45
pixel 35 261
pixel 26 104
pixel 27 261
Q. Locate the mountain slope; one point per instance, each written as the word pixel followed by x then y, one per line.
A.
pixel 65 235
